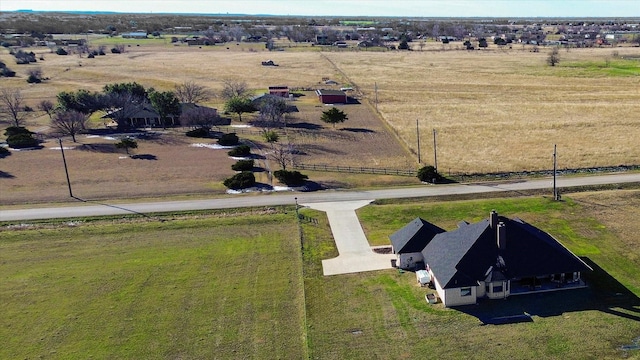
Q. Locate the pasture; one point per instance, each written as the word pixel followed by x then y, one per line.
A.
pixel 237 284
pixel 493 110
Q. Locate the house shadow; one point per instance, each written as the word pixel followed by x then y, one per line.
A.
pixel 358 130
pixel 351 100
pixel 603 293
pixel 5 175
pixel 144 157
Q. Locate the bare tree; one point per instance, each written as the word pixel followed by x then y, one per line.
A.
pixel 121 106
pixel 554 57
pixel 11 105
pixel 232 88
pixel 200 117
pixel 191 93
pixel 69 123
pixel 34 75
pixel 48 107
pixel 273 109
pixel 282 154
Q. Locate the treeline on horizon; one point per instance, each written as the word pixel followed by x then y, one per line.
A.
pixel 24 22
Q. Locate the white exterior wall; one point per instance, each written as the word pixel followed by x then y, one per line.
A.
pixel 408 260
pixel 454 298
pixel 506 290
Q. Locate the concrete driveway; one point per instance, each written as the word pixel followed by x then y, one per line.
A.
pixel 356 254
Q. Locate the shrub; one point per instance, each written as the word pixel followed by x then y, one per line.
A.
pixel 4 152
pixel 241 180
pixel 7 72
pixel 429 174
pixel 243 165
pixel 16 130
pixel 21 141
pixel 32 79
pixel 198 133
pixel 229 139
pixel 291 178
pixel 239 151
pixel 61 51
pixel 91 56
pixel 115 51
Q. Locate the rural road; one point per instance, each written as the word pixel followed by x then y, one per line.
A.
pixel 92 208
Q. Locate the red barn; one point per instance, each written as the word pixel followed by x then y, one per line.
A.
pixel 332 96
pixel 282 91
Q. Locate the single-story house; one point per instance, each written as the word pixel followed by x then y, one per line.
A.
pixel 282 91
pixel 496 258
pixel 408 243
pixel 332 96
pixel 144 115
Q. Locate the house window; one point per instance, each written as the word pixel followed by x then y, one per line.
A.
pixel 465 291
pixel 497 288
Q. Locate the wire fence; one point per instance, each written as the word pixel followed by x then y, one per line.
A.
pixel 354 169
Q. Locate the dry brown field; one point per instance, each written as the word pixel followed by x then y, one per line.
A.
pixel 493 111
pixel 504 111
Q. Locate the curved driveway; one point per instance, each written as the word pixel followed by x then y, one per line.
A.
pixel 250 200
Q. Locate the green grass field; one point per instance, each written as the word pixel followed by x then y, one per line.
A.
pixel 236 284
pixel 192 288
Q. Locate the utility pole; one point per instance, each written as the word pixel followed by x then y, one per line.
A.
pixel 418 138
pixel 376 91
pixel 435 151
pixel 64 160
pixel 555 162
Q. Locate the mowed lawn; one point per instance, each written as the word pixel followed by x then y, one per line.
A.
pixel 383 314
pixel 226 287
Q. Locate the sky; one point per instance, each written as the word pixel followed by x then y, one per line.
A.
pixel 406 8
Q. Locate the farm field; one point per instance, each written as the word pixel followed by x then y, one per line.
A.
pixel 503 111
pixel 236 284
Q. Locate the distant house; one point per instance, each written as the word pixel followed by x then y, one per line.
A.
pixel 281 91
pixel 135 35
pixel 494 258
pixel 144 115
pixel 408 243
pixel 332 96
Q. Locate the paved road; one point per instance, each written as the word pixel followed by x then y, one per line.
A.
pixel 249 200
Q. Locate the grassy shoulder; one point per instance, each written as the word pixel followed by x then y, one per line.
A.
pixel 187 288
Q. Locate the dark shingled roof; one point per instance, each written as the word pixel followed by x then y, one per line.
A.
pixel 469 254
pixel 414 236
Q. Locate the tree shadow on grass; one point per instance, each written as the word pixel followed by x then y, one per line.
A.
pixel 6 175
pixel 144 157
pixel 358 130
pixel 305 125
pixel 104 148
pixel 604 293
